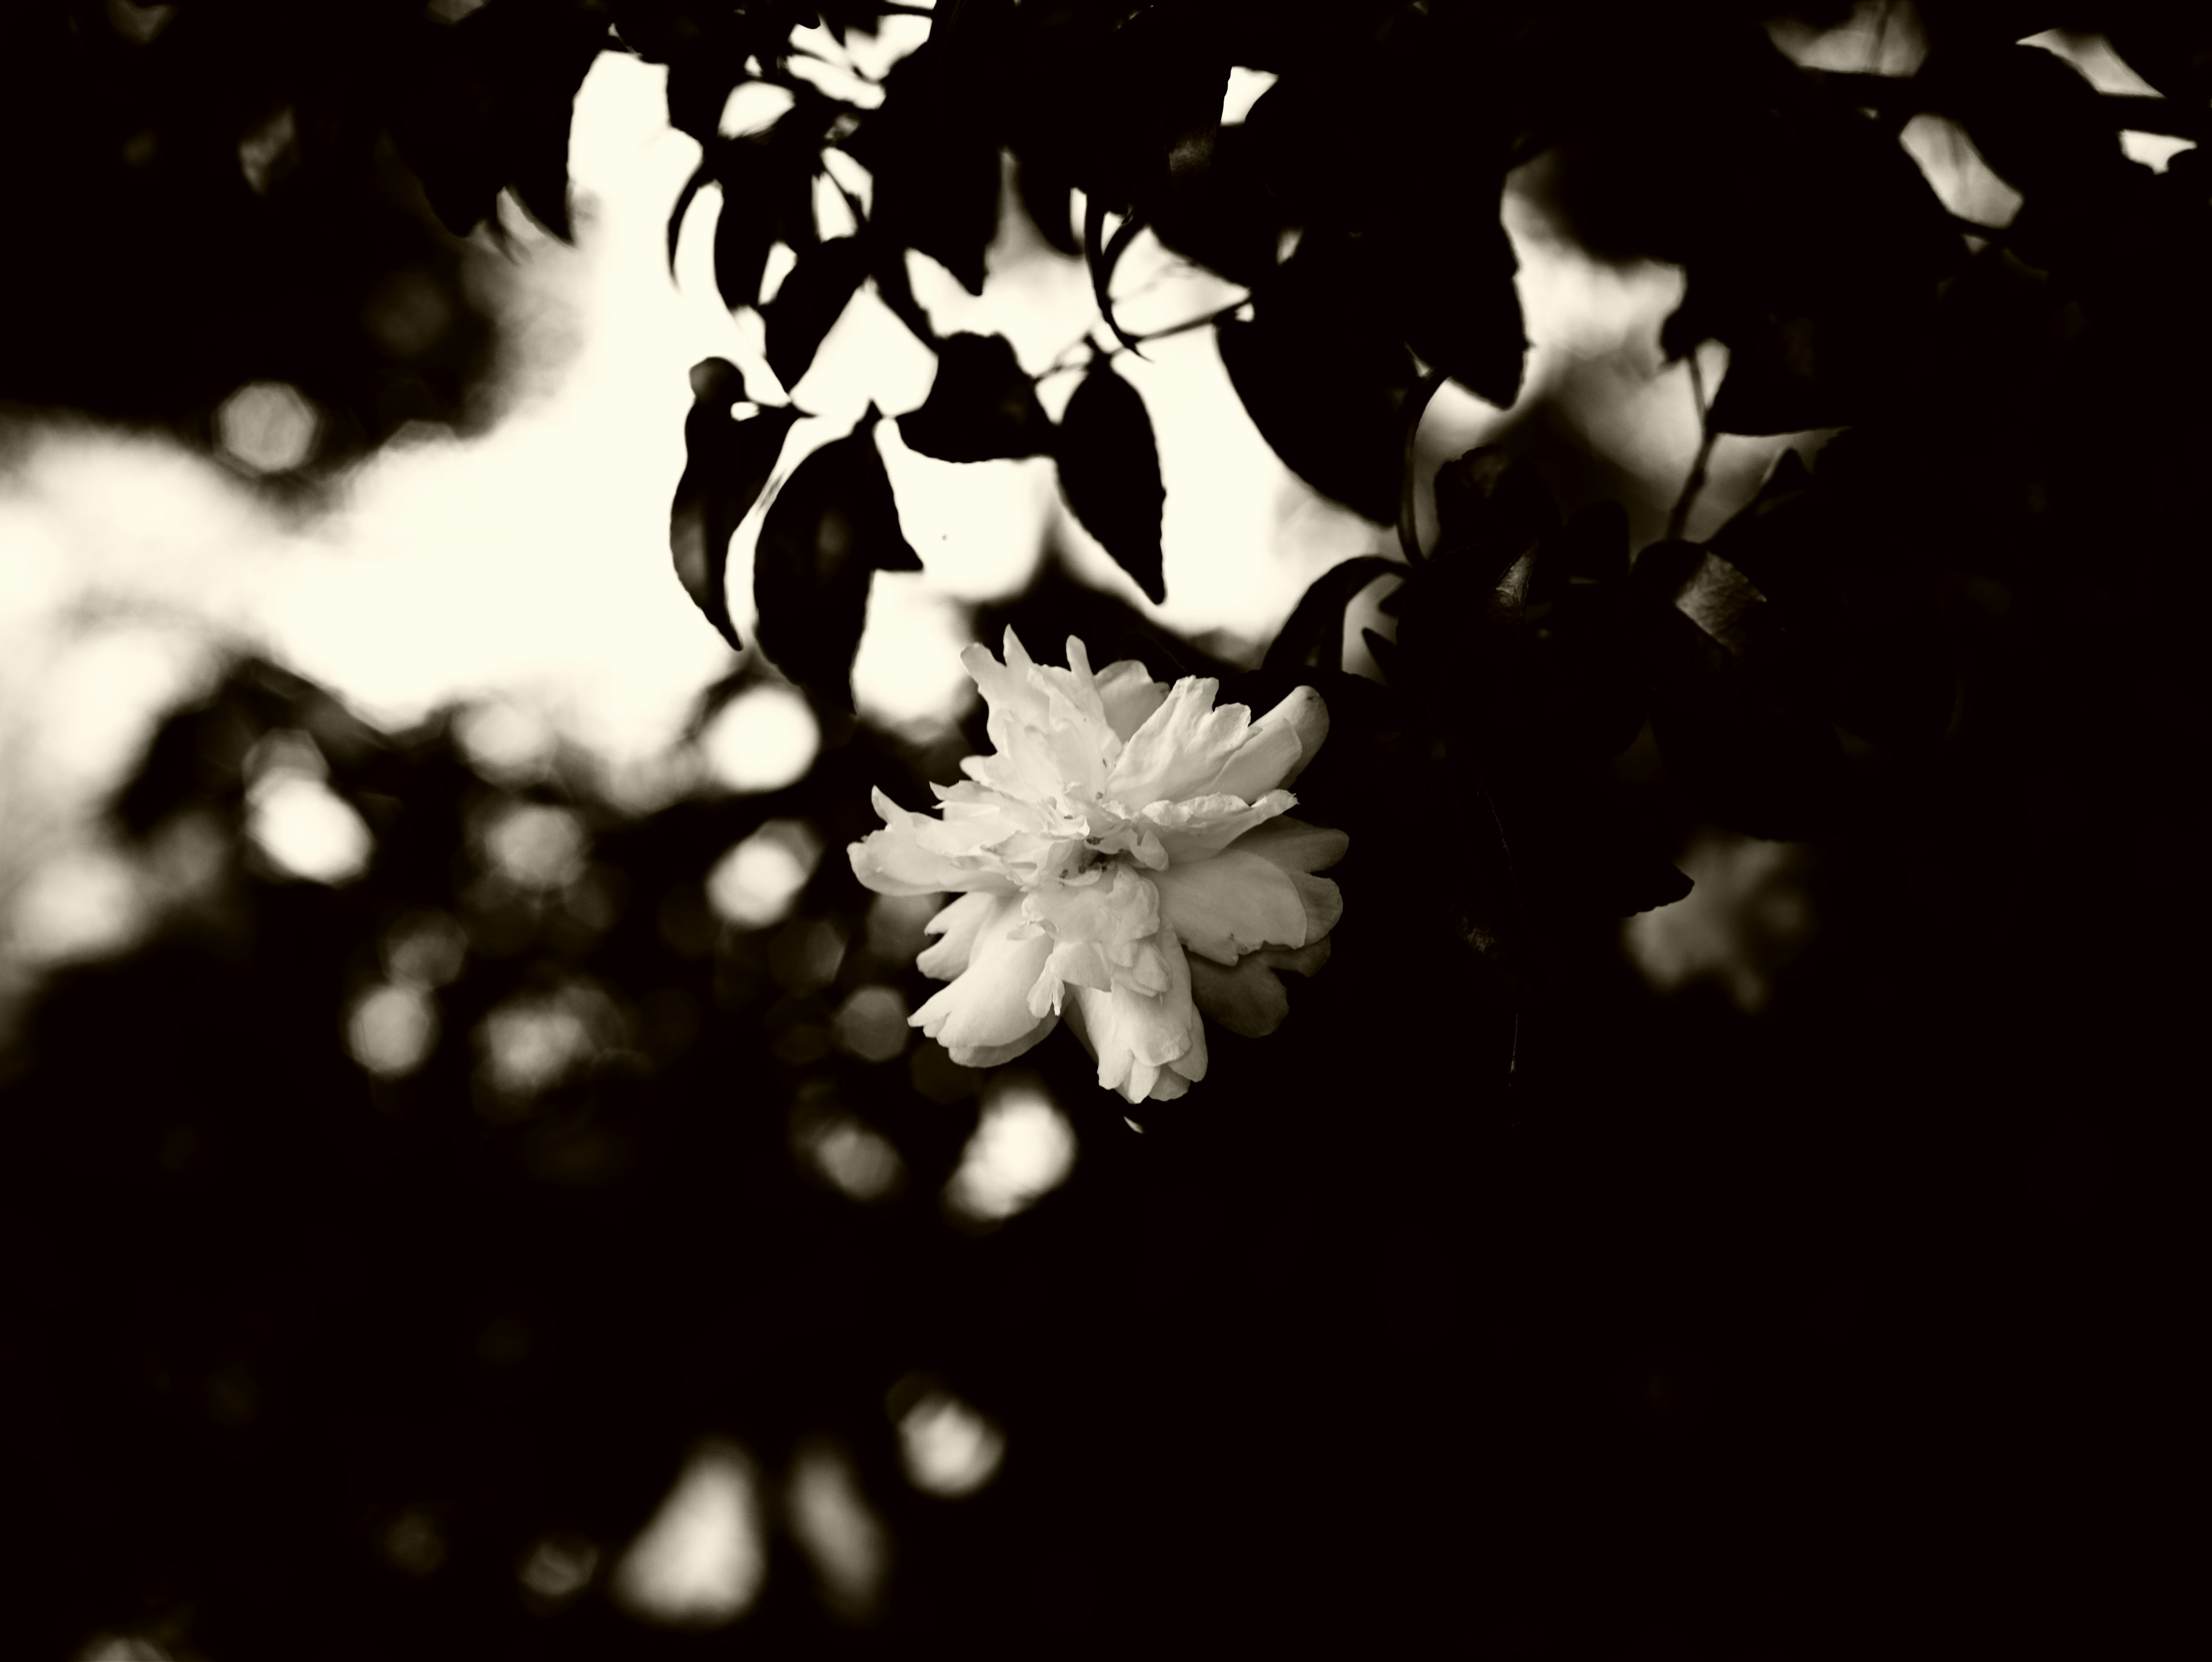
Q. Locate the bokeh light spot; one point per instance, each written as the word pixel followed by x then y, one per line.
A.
pixel 413 1543
pixel 508 741
pixel 116 1648
pixel 947 1447
pixel 756 882
pixel 856 1159
pixel 536 846
pixel 267 426
pixel 82 904
pixel 838 1530
pixel 392 1030
pixel 872 1025
pixel 766 738
pixel 1023 1148
pixel 425 948
pixel 558 1567
pixel 305 829
pixel 700 1562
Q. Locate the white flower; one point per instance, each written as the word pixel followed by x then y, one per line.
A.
pixel 1122 860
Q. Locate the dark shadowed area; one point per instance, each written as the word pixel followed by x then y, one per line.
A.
pixel 1731 1191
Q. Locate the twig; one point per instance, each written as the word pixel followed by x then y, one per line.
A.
pixel 1679 520
pixel 1062 364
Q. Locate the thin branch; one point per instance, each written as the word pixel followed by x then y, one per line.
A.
pixel 1066 362
pixel 1679 520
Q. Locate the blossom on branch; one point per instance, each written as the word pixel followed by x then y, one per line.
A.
pixel 1122 859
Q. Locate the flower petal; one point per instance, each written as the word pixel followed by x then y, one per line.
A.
pixel 1276 747
pixel 1294 845
pixel 1250 999
pixel 1202 826
pixel 893 861
pixel 1235 904
pixel 1129 695
pixel 990 1056
pixel 1167 1086
pixel 956 926
pixel 1135 1034
pixel 988 1003
pixel 1182 746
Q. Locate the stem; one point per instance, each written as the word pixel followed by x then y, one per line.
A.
pixel 1061 365
pixel 1679 520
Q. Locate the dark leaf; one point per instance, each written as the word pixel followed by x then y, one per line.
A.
pixel 2033 115
pixel 935 162
pixel 1594 544
pixel 493 108
pixel 1453 278
pixel 982 406
pixel 1491 508
pixel 1101 256
pixel 1220 213
pixel 1314 632
pixel 744 230
pixel 701 79
pixel 832 526
pixel 726 465
pixel 2170 47
pixel 1323 382
pixel 1110 471
pixel 806 307
pixel 1047 198
pixel 1755 765
pixel 685 198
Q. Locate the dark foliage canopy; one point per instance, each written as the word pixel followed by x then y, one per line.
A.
pixel 1499 1299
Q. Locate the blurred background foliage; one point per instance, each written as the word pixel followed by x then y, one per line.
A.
pixel 465 1200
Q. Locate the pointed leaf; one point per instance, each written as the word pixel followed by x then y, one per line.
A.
pixel 685 198
pixel 1102 256
pixel 1323 379
pixel 934 161
pixel 1458 306
pixel 1315 629
pixel 1047 198
pixel 1110 471
pixel 808 305
pixel 830 528
pixel 727 464
pixel 982 406
pixel 744 231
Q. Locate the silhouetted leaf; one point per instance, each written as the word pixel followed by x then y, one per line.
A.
pixel 2170 47
pixel 743 233
pixel 806 307
pixel 684 197
pixel 1048 198
pixel 1219 213
pixel 1453 277
pixel 701 79
pixel 2033 116
pixel 1491 508
pixel 832 526
pixel 1103 256
pixel 983 406
pixel 1110 471
pixel 1594 543
pixel 934 161
pixel 726 465
pixel 1314 632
